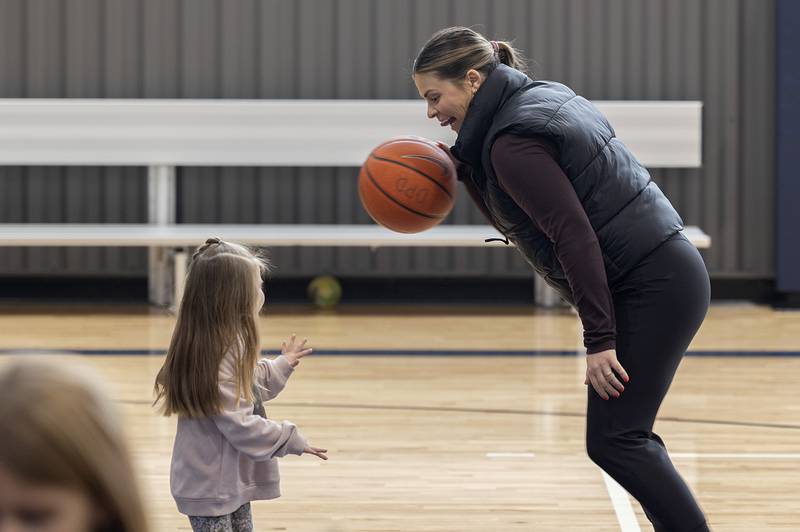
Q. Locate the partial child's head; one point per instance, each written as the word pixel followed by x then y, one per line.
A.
pixel 451 67
pixel 64 465
pixel 221 300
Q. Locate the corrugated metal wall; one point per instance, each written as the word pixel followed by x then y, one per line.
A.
pixel 717 51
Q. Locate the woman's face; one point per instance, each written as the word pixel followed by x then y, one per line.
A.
pixel 28 507
pixel 448 100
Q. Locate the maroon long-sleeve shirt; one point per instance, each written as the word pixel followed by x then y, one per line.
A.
pixel 527 170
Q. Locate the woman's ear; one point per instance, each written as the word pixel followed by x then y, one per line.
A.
pixel 474 80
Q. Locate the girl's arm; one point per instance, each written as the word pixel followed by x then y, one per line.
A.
pixel 272 375
pixel 252 435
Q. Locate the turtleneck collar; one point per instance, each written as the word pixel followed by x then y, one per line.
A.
pixel 500 84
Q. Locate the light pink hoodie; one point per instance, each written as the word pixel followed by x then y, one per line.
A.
pixel 222 462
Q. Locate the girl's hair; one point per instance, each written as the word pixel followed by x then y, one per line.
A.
pixel 59 429
pixel 217 315
pixel 452 52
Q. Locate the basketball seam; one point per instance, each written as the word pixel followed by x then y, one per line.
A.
pixel 372 179
pixel 427 143
pixel 420 172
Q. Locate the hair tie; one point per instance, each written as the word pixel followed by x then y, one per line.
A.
pixel 496 48
pixel 213 240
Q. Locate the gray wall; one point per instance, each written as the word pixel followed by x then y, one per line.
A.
pixel 717 51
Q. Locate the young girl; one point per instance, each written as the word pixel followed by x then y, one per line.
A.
pixel 212 379
pixel 64 465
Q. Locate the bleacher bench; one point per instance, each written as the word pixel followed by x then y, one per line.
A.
pixel 165 134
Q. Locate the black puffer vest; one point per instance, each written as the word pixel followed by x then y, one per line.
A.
pixel 629 213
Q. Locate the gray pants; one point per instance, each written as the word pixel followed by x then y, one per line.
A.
pixel 239 521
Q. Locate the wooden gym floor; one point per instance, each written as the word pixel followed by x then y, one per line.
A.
pixel 482 433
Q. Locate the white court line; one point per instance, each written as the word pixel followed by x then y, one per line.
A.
pixel 622 505
pixel 740 456
pixel 510 455
pixel 619 497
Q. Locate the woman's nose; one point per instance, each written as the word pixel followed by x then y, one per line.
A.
pixel 431 112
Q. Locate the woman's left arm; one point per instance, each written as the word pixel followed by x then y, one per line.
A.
pixel 527 170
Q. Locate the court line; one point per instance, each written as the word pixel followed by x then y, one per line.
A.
pixel 739 456
pixel 622 505
pixel 399 352
pixel 709 456
pixel 509 411
pixel 510 455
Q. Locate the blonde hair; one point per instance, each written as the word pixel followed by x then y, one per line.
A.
pixel 217 315
pixel 59 429
pixel 452 52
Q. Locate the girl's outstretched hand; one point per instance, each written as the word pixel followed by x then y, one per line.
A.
pixel 294 350
pixel 316 452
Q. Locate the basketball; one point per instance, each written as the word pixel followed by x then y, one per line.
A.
pixel 325 291
pixel 407 184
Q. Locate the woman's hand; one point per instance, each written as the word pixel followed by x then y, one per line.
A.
pixel 294 351
pixel 600 372
pixel 445 148
pixel 462 170
pixel 316 452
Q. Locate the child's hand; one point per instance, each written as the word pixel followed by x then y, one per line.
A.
pixel 294 351
pixel 316 452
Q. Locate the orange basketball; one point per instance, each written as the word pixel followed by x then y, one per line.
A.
pixel 407 184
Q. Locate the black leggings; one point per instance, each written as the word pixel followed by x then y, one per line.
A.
pixel 659 306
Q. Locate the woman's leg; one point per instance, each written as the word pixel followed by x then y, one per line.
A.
pixel 659 308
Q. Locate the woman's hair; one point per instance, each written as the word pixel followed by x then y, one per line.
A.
pixel 60 429
pixel 452 52
pixel 217 315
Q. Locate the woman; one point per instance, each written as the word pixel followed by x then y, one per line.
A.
pixel 544 166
